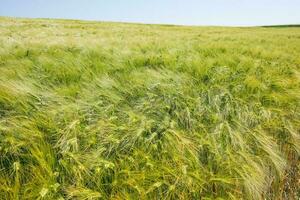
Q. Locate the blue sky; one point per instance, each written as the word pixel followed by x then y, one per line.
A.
pixel 185 12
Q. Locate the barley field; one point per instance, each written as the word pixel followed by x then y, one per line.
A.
pixel 99 110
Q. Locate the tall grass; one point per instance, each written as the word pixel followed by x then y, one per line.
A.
pixel 93 110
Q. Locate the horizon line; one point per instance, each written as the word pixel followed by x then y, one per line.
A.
pixel 146 23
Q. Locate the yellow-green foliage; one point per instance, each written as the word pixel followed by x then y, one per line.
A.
pixel 92 110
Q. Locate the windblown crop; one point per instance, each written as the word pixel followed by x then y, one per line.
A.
pixel 92 110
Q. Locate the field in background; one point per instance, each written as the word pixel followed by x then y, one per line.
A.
pixel 92 110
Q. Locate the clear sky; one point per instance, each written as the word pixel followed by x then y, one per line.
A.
pixel 186 12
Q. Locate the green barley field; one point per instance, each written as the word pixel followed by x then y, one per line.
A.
pixel 99 110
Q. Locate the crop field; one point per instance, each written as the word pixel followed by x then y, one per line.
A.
pixel 100 110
